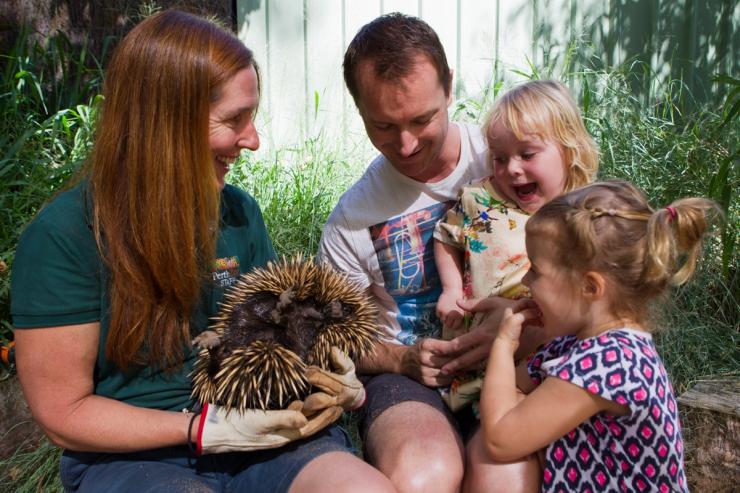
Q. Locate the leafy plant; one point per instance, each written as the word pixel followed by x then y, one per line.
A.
pixel 297 187
pixel 48 101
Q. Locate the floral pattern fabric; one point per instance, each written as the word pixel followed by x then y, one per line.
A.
pixel 490 231
pixel 641 451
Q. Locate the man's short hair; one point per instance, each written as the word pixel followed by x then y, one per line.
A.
pixel 391 42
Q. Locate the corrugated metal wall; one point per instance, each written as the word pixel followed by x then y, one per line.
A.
pixel 299 45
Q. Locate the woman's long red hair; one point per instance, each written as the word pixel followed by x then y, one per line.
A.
pixel 151 174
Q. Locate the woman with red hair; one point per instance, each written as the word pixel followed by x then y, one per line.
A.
pixel 117 274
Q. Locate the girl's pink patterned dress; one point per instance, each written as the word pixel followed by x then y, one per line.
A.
pixel 641 451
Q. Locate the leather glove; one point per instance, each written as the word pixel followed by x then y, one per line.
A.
pixel 220 431
pixel 339 388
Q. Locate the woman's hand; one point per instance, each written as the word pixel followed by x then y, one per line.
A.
pixel 235 431
pixel 338 388
pixel 448 311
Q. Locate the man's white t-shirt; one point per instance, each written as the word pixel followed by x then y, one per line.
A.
pixel 381 234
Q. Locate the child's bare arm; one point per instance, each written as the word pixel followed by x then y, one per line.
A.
pixel 449 265
pixel 523 381
pixel 514 428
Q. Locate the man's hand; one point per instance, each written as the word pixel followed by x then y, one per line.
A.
pixel 448 311
pixel 424 360
pixel 339 388
pixel 474 347
pixel 493 308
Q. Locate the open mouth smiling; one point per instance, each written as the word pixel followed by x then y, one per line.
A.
pixel 526 190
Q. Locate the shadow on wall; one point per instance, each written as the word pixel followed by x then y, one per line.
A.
pixel 245 8
pixel 691 40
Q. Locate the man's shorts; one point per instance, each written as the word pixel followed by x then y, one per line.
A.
pixel 168 470
pixel 388 389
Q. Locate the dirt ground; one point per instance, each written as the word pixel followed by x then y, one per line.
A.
pixel 712 451
pixel 17 429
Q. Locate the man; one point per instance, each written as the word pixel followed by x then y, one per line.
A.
pixel 380 234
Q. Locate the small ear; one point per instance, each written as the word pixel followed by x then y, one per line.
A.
pixel 594 285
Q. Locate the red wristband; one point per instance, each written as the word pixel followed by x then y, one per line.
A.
pixel 201 422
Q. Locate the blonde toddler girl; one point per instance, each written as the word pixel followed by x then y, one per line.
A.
pixel 539 148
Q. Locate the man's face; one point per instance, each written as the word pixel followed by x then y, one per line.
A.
pixel 406 120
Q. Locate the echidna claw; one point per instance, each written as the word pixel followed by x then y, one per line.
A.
pixel 206 340
pixel 312 313
pixel 335 309
pixel 286 298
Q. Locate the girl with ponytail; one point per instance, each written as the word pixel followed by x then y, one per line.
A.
pixel 599 403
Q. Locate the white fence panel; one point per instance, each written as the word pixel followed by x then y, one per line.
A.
pixel 300 43
pixel 475 47
pixel 326 95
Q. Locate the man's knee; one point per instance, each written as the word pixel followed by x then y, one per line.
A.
pixel 417 448
pixel 344 472
pixel 430 474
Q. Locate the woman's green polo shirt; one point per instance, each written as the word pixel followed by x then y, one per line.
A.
pixel 59 279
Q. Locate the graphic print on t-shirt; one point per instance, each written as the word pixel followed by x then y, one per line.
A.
pixel 404 246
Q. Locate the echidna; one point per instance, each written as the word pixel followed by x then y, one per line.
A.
pixel 275 321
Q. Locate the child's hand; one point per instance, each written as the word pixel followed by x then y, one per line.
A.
pixel 474 346
pixel 510 329
pixel 449 313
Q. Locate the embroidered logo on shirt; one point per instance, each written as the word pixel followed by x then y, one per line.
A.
pixel 225 271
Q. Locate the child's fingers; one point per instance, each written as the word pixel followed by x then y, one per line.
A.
pixel 453 320
pixel 511 325
pixel 531 315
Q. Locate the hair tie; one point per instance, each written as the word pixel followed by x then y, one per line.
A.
pixel 672 212
pixel 599 212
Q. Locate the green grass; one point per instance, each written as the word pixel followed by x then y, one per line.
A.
pixel 33 471
pixel 297 187
pixel 697 334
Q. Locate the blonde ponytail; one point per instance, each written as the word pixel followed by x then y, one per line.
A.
pixel 674 232
pixel 610 228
